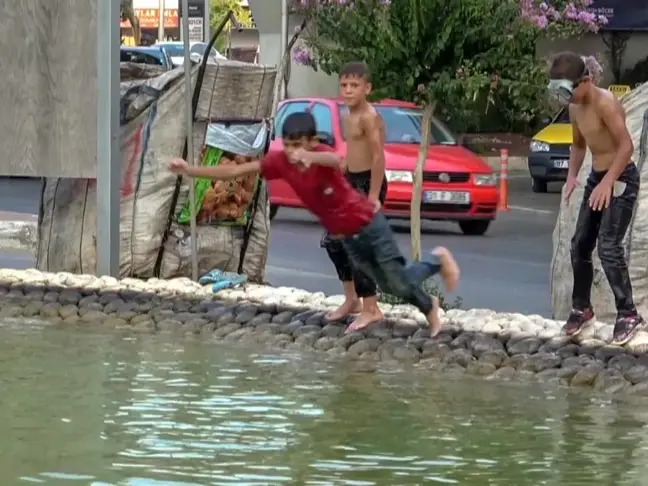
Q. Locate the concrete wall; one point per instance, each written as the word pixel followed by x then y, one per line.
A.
pixel 48 98
pixel 592 44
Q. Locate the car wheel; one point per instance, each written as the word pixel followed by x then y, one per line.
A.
pixel 273 211
pixel 539 186
pixel 474 228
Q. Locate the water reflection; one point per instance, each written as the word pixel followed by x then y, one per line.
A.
pixel 108 409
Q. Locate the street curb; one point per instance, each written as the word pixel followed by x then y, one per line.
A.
pixel 515 163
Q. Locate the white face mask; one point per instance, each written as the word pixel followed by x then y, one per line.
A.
pixel 562 90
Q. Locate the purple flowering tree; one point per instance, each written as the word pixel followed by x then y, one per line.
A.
pixel 458 57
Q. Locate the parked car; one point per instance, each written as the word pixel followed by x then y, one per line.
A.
pixel 175 51
pixel 457 184
pixel 549 151
pixel 145 55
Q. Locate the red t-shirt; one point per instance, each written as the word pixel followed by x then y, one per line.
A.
pixel 324 191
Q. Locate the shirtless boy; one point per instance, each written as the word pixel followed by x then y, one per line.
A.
pixel 598 122
pixel 314 172
pixel 364 133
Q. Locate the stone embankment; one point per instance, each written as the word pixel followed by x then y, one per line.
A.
pixel 477 342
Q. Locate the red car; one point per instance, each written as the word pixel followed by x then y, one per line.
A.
pixel 457 184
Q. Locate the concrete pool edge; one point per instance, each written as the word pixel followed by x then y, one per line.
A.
pixel 478 342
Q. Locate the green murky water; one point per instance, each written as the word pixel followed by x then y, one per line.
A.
pixel 83 408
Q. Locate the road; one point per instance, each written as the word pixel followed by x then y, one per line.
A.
pixel 506 270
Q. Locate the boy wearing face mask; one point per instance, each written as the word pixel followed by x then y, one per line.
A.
pixel 598 122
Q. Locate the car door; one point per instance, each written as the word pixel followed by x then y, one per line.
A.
pixel 280 193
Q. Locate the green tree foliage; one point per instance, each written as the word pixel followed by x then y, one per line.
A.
pixel 218 10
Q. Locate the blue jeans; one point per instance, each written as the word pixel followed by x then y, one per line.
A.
pixel 374 252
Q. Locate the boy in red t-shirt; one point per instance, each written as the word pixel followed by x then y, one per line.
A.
pixel 314 172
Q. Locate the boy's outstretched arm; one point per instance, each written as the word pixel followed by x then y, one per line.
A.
pixel 325 158
pixel 219 172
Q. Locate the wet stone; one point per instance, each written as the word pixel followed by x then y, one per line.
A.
pixel 422 332
pixel 496 358
pixel 605 353
pixel 505 373
pixel 610 381
pixel 636 374
pixel 307 330
pixel 225 319
pixel 417 343
pixel 325 343
pixel 568 351
pixel 480 368
pixel 551 376
pixel 246 316
pixel 587 374
pixel 90 307
pixel 316 319
pixel 37 295
pixel 262 319
pixel 308 339
pixel 555 343
pixel 115 322
pixel 226 329
pixel 350 339
pixel 364 345
pixel 194 326
pixel 333 330
pixel 577 361
pixel 404 330
pixel 283 317
pixel 32 309
pixel 86 301
pixel 540 362
pixel 72 321
pixel 162 314
pixel 516 361
pixel 50 297
pixel 590 346
pixel 622 362
pixel 114 306
pixel 235 335
pixel 525 346
pixel 460 357
pixel 382 333
pixel 406 354
pixel 568 372
pixel 169 325
pixel 462 341
pixel 291 327
pixel 93 316
pixel 486 344
pixel 144 307
pixel 269 327
pixel 68 310
pixel 433 349
pixel 146 325
pixel 126 315
pixel 640 389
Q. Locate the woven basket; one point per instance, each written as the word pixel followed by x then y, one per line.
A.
pixel 233 90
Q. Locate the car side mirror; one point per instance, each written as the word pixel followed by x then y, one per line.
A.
pixel 326 138
pixel 195 57
pixel 545 120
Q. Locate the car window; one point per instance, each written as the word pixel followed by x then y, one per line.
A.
pixel 323 118
pixel 200 49
pixel 284 111
pixel 173 50
pixel 403 125
pixel 140 58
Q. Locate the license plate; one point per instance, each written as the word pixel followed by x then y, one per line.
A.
pixel 561 164
pixel 451 197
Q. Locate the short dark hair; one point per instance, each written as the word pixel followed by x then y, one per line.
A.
pixel 568 65
pixel 298 125
pixel 356 69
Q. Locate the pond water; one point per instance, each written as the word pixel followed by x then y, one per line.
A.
pixel 91 408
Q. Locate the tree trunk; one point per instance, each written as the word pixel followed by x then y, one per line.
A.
pixel 417 186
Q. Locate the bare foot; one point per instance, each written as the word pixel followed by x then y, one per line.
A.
pixel 348 307
pixel 365 319
pixel 433 318
pixel 449 269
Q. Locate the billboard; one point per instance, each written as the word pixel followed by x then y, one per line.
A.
pixel 623 14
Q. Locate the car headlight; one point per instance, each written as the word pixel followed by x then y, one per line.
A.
pixel 485 179
pixel 537 146
pixel 399 176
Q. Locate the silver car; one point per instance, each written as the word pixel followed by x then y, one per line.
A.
pixel 175 51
